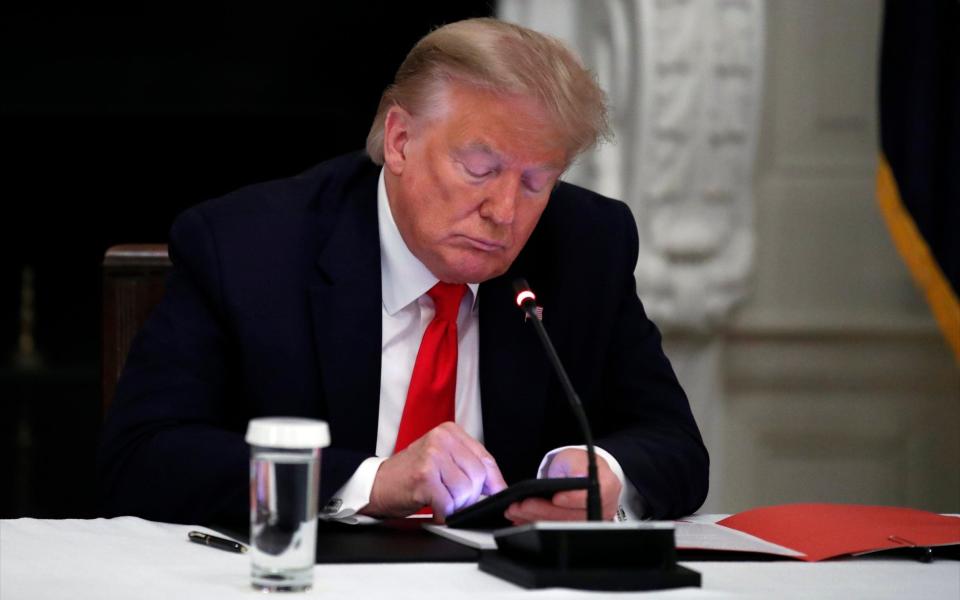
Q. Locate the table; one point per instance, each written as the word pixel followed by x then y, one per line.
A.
pixel 129 557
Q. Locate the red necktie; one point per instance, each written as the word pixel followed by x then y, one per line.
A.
pixel 433 385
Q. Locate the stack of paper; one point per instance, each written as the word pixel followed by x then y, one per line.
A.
pixel 809 532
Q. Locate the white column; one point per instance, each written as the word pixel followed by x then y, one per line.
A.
pixel 684 79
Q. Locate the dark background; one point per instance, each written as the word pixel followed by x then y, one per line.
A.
pixel 110 125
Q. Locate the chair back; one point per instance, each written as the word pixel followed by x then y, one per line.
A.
pixel 134 276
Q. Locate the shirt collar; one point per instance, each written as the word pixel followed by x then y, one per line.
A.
pixel 403 278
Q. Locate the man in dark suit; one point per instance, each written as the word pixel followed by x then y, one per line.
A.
pixel 379 300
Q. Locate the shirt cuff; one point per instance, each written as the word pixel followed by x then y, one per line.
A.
pixel 355 493
pixel 630 501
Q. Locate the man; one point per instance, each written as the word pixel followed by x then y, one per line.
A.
pixel 379 300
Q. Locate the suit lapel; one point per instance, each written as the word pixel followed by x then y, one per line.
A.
pixel 347 320
pixel 513 378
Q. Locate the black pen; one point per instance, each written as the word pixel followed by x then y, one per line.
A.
pixel 924 553
pixel 198 537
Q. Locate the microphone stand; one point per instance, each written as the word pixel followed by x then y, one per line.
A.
pixel 528 304
pixel 587 556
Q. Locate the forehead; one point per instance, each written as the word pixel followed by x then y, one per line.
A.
pixel 512 128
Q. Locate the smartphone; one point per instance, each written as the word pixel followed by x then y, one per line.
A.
pixel 488 513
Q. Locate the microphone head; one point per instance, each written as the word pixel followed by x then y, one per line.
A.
pixel 523 293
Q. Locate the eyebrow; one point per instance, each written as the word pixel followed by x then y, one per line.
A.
pixel 484 148
pixel 479 147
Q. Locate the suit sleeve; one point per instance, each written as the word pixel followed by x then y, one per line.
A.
pixel 172 447
pixel 649 426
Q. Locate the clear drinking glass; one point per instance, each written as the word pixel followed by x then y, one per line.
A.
pixel 284 483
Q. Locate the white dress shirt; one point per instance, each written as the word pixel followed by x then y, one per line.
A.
pixel 406 312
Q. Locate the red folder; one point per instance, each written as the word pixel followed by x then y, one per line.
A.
pixel 823 531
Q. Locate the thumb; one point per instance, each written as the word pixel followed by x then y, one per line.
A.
pixel 567 464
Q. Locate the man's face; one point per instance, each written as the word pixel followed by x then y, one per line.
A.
pixel 468 185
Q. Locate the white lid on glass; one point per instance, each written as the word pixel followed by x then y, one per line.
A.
pixel 288 432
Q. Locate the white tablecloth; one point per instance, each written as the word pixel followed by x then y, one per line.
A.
pixel 129 558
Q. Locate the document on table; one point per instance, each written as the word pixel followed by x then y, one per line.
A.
pixel 481 539
pixel 710 536
pixel 696 533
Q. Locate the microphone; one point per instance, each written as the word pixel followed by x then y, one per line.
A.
pixel 640 555
pixel 527 301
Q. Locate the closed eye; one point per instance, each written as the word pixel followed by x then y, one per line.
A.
pixel 536 184
pixel 532 187
pixel 473 173
pixel 477 172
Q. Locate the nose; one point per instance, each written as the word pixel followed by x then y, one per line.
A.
pixel 500 205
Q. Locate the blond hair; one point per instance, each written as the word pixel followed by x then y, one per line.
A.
pixel 503 58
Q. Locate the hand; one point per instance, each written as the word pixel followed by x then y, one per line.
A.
pixel 570 505
pixel 445 469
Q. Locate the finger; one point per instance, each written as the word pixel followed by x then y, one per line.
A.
pixel 541 510
pixel 425 458
pixel 438 497
pixel 493 479
pixel 494 482
pixel 538 509
pixel 460 487
pixel 515 514
pixel 473 466
pixel 436 450
pixel 609 499
pixel 571 499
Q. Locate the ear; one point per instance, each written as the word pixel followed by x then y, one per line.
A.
pixel 396 134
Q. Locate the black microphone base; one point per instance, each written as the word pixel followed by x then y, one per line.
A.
pixel 592 578
pixel 589 556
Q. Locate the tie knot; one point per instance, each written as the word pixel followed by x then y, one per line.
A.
pixel 446 297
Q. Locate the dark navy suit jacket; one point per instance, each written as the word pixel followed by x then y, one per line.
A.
pixel 273 307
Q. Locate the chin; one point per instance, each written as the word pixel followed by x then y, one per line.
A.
pixel 473 273
pixel 470 266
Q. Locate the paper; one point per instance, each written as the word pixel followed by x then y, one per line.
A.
pixel 481 539
pixel 809 532
pixel 702 534
pixel 710 536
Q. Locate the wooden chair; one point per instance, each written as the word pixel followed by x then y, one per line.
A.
pixel 133 282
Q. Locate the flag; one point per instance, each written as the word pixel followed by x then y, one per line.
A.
pixel 918 178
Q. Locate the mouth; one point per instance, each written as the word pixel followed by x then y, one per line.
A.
pixel 483 245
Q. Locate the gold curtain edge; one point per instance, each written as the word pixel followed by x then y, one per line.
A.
pixel 916 254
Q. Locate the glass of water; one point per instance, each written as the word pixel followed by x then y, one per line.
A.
pixel 284 483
